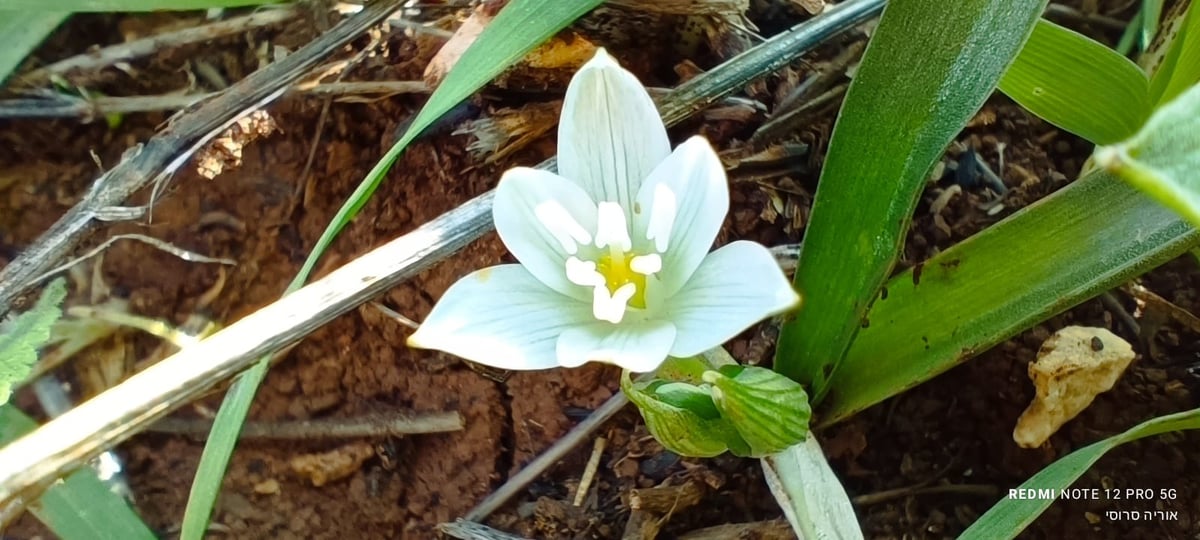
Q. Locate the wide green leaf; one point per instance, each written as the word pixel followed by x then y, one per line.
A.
pixel 126 5
pixel 926 70
pixel 520 27
pixel 1012 514
pixel 80 507
pixel 22 31
pixel 1078 85
pixel 1084 239
pixel 1163 158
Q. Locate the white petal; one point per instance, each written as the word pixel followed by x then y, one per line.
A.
pixel 638 347
pixel 539 216
pixel 610 135
pixel 694 177
pixel 503 317
pixel 735 287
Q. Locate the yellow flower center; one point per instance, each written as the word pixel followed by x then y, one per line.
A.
pixel 616 267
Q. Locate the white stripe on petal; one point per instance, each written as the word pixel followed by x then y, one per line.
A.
pixel 735 287
pixel 565 229
pixel 640 347
pixel 610 135
pixel 503 317
pixel 695 176
pixel 662 217
pixel 611 227
pixel 538 215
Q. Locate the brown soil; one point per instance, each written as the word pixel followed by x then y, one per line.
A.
pixel 954 430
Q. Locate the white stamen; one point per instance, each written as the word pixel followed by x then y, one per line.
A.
pixel 562 225
pixel 646 264
pixel 611 229
pixel 662 217
pixel 583 273
pixel 611 308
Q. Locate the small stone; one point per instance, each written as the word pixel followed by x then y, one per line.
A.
pixel 269 486
pixel 1071 369
pixel 1091 518
pixel 334 465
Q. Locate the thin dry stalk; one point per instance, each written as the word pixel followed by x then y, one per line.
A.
pixel 108 56
pixel 164 153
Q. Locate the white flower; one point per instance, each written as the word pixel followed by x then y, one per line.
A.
pixel 614 250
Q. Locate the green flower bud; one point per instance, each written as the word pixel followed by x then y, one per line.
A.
pixel 769 411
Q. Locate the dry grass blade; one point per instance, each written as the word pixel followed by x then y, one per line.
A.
pixel 157 157
pixel 95 60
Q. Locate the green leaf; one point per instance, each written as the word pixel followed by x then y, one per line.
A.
pixel 1151 12
pixel 768 410
pixel 128 5
pixel 1163 158
pixel 810 494
pixel 1078 85
pixel 1011 515
pixel 520 27
pixel 80 507
pixel 676 424
pixel 1180 67
pixel 23 31
pixel 1038 262
pixel 927 69
pixel 21 337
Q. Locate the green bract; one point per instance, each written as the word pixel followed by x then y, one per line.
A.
pixel 748 411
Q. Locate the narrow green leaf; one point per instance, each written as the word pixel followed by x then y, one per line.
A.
pixel 927 69
pixel 21 337
pixel 80 507
pixel 1163 158
pixel 1039 262
pixel 812 498
pixel 128 5
pixel 1078 85
pixel 1151 13
pixel 1011 515
pixel 23 31
pixel 1180 67
pixel 520 27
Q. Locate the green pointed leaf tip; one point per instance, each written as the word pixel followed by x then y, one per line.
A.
pixel 1011 515
pixel 1163 158
pixel 21 337
pixel 1078 85
pixel 769 410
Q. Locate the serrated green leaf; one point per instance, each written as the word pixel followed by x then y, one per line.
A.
pixel 1011 515
pixel 927 69
pixel 1163 158
pixel 1078 85
pixel 22 337
pixel 80 507
pixel 23 31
